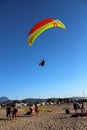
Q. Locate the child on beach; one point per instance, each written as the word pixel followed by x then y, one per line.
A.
pixel 14 113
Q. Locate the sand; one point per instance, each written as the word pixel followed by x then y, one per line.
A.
pixel 44 120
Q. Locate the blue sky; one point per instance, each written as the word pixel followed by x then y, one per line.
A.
pixel 65 51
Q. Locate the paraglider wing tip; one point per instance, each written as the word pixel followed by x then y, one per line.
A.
pixel 65 27
pixel 30 43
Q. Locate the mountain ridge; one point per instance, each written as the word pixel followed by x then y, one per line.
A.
pixel 4 99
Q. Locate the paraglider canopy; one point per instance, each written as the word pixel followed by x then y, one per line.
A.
pixel 41 26
pixel 42 63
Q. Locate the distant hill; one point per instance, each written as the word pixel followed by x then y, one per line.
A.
pixel 29 100
pixel 77 98
pixel 3 99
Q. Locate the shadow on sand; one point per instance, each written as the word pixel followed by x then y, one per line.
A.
pixel 1 119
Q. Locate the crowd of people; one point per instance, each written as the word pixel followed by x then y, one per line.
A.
pixel 79 106
pixel 79 109
pixel 12 112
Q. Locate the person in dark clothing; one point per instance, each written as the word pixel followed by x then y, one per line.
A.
pixel 30 111
pixel 82 108
pixel 8 112
pixel 67 111
pixel 42 63
pixel 75 107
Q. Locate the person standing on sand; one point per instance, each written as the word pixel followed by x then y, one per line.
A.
pixel 33 109
pixel 14 113
pixel 75 107
pixel 8 112
pixel 36 109
pixel 82 108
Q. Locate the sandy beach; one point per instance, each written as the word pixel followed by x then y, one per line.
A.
pixel 57 120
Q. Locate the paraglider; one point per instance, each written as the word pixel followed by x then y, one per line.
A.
pixel 42 63
pixel 41 26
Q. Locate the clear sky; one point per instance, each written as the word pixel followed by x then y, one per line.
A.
pixel 65 51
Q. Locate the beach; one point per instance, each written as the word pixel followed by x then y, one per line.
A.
pixel 45 120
